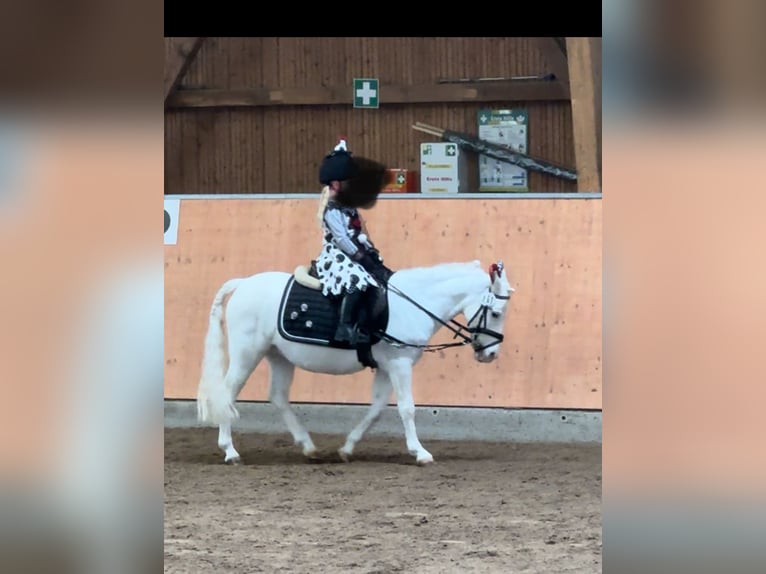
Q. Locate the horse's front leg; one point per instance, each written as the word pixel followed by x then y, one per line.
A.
pixel 381 390
pixel 401 378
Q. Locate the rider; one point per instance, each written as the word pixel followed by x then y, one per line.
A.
pixel 348 259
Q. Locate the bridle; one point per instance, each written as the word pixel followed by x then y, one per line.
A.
pixel 487 303
pixel 459 330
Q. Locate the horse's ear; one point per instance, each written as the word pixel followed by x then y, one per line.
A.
pixel 495 271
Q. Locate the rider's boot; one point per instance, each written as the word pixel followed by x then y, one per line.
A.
pixel 346 331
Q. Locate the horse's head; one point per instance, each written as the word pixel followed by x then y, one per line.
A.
pixel 486 313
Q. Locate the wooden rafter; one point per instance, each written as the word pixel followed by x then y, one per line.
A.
pixel 555 55
pixel 522 90
pixel 179 53
pixel 562 44
pixel 584 55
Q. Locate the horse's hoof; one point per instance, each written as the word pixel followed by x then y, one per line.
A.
pixel 312 455
pixel 425 461
pixel 344 456
pixel 234 461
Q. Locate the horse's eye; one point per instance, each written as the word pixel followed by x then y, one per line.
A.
pixel 495 314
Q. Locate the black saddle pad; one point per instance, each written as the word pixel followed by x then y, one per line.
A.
pixel 307 316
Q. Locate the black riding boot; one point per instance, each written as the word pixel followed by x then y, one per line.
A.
pixel 345 331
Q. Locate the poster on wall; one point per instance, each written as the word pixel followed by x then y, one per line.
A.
pixel 507 128
pixel 171 220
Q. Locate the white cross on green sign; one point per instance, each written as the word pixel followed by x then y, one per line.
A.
pixel 366 93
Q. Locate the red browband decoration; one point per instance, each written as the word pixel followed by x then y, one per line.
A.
pixel 493 271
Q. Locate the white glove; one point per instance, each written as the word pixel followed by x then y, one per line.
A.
pixel 364 241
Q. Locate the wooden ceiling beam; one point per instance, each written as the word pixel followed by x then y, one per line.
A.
pixel 179 53
pixel 518 90
pixel 585 87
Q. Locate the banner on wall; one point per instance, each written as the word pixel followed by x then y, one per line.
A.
pixel 171 220
pixel 507 128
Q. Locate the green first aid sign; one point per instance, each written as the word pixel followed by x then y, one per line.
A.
pixel 366 93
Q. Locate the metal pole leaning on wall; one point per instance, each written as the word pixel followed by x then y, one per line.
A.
pixel 498 152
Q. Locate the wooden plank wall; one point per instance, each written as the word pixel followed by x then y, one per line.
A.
pixel 277 149
pixel 552 248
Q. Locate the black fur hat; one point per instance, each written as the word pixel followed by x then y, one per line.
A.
pixel 363 187
pixel 362 179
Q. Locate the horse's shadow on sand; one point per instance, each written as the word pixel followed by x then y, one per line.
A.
pixel 274 450
pixel 287 457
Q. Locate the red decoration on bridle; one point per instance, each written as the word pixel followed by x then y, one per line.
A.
pixel 493 271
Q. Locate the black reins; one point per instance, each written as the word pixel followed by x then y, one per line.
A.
pixel 480 328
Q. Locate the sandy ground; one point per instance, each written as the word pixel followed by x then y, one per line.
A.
pixel 480 508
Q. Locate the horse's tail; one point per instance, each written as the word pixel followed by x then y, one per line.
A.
pixel 212 406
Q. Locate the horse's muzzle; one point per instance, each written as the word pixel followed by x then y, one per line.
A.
pixel 485 356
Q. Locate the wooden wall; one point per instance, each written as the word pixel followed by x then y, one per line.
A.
pixel 551 357
pixel 277 148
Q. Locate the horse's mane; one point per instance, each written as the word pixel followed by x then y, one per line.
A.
pixel 442 271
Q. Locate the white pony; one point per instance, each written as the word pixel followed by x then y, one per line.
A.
pixel 420 302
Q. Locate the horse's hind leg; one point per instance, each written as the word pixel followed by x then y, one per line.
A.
pixel 243 362
pixel 226 444
pixel 381 390
pixel 279 395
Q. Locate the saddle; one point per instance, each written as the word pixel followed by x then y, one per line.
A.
pixel 307 316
